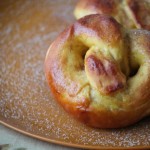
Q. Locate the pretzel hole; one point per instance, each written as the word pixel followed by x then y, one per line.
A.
pixel 83 54
pixel 80 65
pixel 84 51
pixel 134 71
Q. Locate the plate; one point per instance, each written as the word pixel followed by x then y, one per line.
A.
pixel 27 28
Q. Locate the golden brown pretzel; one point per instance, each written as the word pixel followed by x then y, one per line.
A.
pixel 130 13
pixel 100 72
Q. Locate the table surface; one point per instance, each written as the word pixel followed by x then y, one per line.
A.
pixel 19 141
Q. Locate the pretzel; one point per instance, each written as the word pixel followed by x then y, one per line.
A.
pixel 130 13
pixel 100 72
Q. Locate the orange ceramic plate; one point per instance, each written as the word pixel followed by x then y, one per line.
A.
pixel 27 28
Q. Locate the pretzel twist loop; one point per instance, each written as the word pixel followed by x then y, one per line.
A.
pixel 100 72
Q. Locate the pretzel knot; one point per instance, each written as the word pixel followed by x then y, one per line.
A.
pixel 100 72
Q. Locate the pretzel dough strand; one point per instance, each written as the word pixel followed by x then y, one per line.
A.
pixel 89 70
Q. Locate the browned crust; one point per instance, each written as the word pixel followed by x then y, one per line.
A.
pixel 141 12
pixel 102 26
pixel 99 119
pixel 139 9
pixel 106 70
pixel 93 25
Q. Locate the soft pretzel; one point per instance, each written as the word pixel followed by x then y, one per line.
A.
pixel 100 72
pixel 130 13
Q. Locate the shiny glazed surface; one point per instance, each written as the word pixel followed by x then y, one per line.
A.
pixel 130 13
pixel 27 28
pixel 88 68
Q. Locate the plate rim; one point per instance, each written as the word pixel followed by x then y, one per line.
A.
pixel 61 143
